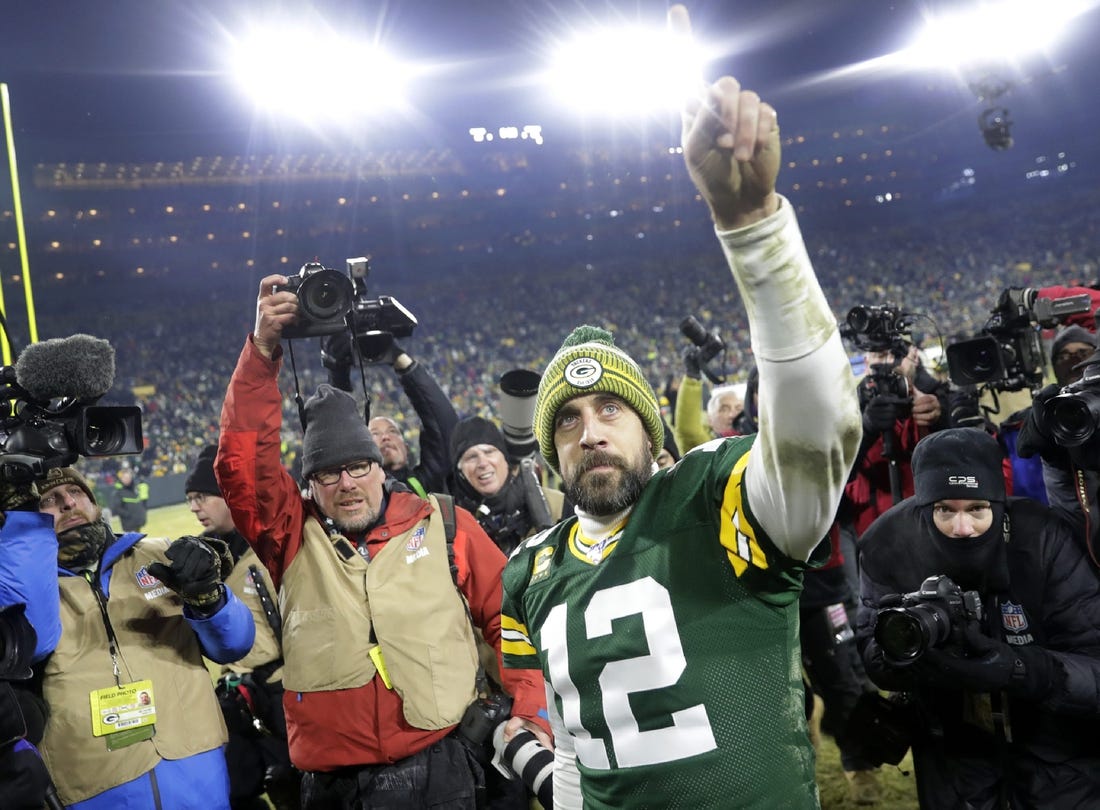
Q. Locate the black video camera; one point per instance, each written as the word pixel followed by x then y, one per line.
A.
pixel 925 618
pixel 1008 353
pixel 58 422
pixel 707 346
pixel 1073 415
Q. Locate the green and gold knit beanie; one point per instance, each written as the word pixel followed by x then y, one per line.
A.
pixel 589 362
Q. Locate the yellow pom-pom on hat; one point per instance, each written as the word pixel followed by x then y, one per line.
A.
pixel 589 362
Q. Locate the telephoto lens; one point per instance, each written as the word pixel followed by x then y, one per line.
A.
pixel 524 756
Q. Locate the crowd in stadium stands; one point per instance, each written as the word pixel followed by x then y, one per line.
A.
pixel 176 350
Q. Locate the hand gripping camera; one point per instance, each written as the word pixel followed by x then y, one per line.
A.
pixel 925 618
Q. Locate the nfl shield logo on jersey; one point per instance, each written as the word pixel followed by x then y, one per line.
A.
pixel 1013 617
pixel 145 579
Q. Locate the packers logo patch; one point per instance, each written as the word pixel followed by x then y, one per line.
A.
pixel 540 569
pixel 584 372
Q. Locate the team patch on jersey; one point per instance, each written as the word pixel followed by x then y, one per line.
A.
pixel 1013 617
pixel 584 372
pixel 540 568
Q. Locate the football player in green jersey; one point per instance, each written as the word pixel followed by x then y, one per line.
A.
pixel 664 613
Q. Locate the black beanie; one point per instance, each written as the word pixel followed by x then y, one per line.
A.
pixel 475 430
pixel 1072 334
pixel 335 432
pixel 202 477
pixel 958 464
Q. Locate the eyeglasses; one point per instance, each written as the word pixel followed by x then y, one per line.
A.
pixel 358 469
pixel 1075 357
pixel 197 497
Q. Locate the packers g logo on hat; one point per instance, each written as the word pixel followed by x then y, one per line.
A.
pixel 589 362
pixel 584 372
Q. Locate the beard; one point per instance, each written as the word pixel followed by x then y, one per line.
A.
pixel 606 493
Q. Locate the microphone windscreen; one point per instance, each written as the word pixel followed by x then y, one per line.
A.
pixel 79 366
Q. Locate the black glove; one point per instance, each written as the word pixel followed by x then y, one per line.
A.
pixel 386 351
pixel 880 414
pixel 691 363
pixel 983 664
pixel 196 572
pixel 336 357
pixel 24 777
pixel 22 496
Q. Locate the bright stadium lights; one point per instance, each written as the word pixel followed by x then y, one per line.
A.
pixel 993 30
pixel 626 71
pixel 318 76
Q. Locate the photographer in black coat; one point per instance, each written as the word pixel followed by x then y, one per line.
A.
pixel 1001 660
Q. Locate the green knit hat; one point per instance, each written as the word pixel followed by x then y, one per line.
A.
pixel 589 362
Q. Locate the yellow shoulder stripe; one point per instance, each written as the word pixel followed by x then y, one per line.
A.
pixel 737 534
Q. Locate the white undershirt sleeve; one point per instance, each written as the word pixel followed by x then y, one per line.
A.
pixel 809 426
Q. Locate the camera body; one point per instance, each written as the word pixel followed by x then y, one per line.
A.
pixel 324 298
pixel 377 322
pixel 877 328
pixel 707 345
pixel 881 380
pixel 483 716
pixel 1008 353
pixel 925 618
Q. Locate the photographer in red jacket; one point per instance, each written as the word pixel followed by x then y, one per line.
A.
pixel 380 637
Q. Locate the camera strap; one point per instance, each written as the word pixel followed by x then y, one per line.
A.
pixel 446 506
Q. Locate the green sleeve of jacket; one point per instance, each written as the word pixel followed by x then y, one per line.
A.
pixel 691 427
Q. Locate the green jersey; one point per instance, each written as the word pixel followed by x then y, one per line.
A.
pixel 672 650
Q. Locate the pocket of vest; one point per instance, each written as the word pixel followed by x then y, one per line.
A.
pixel 321 652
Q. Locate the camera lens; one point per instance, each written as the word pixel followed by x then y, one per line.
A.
pixel 109 431
pixel 693 330
pixel 325 295
pixel 1073 417
pixel 859 318
pixel 905 633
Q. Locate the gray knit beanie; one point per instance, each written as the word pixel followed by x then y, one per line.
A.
pixel 335 432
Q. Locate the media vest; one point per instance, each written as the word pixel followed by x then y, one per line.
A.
pixel 155 642
pixel 265 648
pixel 336 607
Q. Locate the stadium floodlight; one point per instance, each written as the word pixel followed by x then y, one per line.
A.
pixel 319 76
pixel 992 30
pixel 626 71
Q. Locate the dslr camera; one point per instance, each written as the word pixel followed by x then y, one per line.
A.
pixel 925 618
pixel 330 301
pixel 880 328
pixel 706 346
pixel 1007 354
pixel 1073 415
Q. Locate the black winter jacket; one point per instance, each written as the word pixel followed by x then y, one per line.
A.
pixel 1038 588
